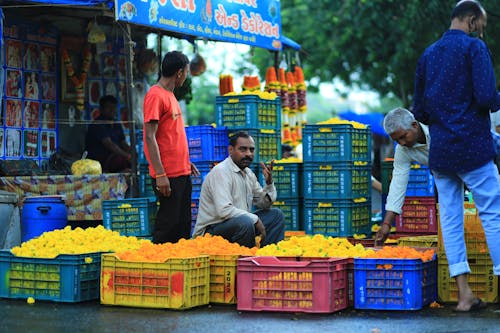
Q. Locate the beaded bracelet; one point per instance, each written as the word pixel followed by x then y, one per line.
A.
pixel 161 175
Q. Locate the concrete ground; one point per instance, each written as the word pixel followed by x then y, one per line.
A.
pixel 18 316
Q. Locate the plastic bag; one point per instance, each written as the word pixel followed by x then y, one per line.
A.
pixel 86 167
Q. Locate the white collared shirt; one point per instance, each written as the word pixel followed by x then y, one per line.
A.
pixel 403 157
pixel 228 192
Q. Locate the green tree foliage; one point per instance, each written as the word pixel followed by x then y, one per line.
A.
pixel 372 43
pixel 201 109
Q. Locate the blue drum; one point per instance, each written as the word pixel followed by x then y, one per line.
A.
pixel 41 214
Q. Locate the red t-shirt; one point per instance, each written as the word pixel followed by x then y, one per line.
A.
pixel 162 106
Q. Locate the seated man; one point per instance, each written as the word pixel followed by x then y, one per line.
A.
pixel 413 146
pixel 105 141
pixel 228 193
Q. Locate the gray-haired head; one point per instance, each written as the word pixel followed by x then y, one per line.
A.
pixel 397 119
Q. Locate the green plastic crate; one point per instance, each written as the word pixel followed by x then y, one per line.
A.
pixel 130 217
pixel 337 218
pixel 66 278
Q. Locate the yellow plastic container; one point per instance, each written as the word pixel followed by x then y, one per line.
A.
pixel 223 278
pixel 482 281
pixel 419 241
pixel 475 239
pixel 178 283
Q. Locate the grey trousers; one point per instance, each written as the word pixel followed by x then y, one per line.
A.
pixel 242 230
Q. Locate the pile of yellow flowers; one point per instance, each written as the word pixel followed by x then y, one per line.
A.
pixel 262 94
pixel 336 120
pixel 315 246
pixel 78 241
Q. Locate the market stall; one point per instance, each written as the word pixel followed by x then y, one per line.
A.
pixel 83 194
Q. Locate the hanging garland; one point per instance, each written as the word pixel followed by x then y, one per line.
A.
pixel 78 80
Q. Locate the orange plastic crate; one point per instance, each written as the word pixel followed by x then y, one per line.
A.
pixel 475 239
pixel 272 284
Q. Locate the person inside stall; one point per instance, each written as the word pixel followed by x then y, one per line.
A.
pixel 287 151
pixel 146 67
pixel 105 141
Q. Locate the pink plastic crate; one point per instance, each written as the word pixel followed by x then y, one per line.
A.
pixel 418 216
pixel 272 284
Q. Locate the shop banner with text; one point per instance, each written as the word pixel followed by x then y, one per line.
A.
pixel 252 22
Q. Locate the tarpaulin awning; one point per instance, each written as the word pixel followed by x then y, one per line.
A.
pixel 287 42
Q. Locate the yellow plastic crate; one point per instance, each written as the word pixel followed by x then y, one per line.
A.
pixel 419 241
pixel 223 278
pixel 178 283
pixel 483 282
pixel 475 239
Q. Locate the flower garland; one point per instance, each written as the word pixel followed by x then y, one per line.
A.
pixel 78 81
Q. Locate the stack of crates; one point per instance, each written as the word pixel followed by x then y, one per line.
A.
pixel 337 179
pixel 260 118
pixel 208 145
pixel 287 177
pixel 482 281
pixel 418 216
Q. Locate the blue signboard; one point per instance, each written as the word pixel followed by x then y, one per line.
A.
pixel 252 22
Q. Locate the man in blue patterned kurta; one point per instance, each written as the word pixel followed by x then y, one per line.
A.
pixel 455 91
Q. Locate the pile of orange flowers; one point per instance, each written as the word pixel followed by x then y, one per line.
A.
pixel 186 248
pixel 403 252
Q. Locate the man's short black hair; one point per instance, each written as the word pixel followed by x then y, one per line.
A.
pixel 106 100
pixel 467 8
pixel 172 62
pixel 234 137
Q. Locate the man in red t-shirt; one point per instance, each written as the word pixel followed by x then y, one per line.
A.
pixel 166 149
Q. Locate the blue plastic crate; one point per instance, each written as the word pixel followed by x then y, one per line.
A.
pixel 66 278
pixel 195 204
pixel 267 143
pixel 130 217
pixel 139 144
pixel 339 180
pixel 336 142
pixel 207 143
pixel 248 111
pixel 197 181
pixel 287 179
pixel 291 208
pixel 337 217
pixel 145 182
pixel 409 284
pixel 420 181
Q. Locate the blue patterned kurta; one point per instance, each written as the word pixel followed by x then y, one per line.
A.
pixel 455 90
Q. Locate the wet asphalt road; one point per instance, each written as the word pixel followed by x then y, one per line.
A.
pixel 18 316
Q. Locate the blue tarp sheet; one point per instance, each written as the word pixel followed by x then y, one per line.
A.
pixel 287 42
pixel 374 119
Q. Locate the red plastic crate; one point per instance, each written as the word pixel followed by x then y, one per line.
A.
pixel 272 284
pixel 418 216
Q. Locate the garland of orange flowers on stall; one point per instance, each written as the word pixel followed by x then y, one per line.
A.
pixel 78 80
